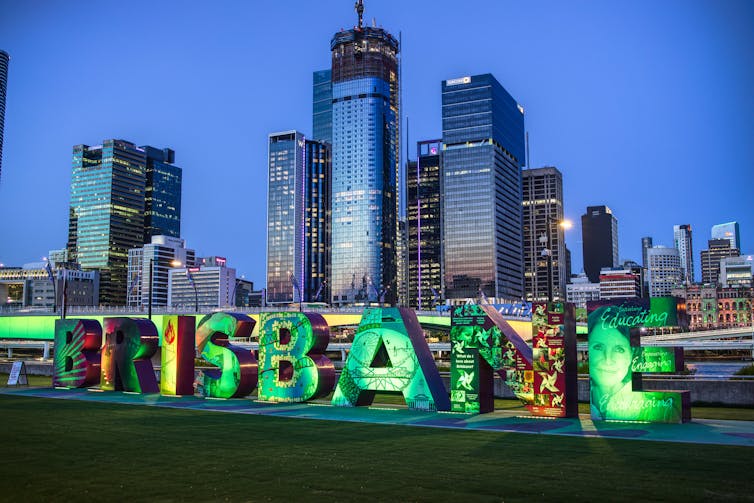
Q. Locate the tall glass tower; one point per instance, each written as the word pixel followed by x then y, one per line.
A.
pixel 365 164
pixel 298 223
pixel 483 151
pixel 106 217
pixel 4 59
pixel 162 205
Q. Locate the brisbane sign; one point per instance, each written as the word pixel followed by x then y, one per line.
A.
pixel 389 354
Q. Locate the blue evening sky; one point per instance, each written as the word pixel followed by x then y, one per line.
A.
pixel 646 106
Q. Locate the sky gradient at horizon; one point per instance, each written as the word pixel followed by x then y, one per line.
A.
pixel 645 107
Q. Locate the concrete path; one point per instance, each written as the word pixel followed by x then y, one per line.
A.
pixel 703 431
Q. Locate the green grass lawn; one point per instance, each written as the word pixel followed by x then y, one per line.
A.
pixel 71 450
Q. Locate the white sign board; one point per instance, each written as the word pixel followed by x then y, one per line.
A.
pixel 15 374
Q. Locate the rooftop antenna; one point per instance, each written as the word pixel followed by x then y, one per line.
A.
pixel 360 11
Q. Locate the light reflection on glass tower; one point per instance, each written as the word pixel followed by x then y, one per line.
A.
pixel 365 164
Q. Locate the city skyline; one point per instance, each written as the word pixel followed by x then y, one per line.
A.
pixel 594 89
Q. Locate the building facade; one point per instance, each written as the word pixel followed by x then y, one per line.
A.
pixel 365 165
pixel 424 217
pixel 317 221
pixel 717 249
pixel 682 243
pixel 713 307
pixel 106 217
pixel 580 291
pixel 483 151
pixel 162 194
pixel 4 60
pixel 664 272
pixel 209 285
pixel 619 283
pixel 148 269
pixel 729 231
pixel 736 272
pixel 32 287
pixel 542 213
pixel 599 231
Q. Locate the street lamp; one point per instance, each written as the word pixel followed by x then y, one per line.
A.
pixel 296 288
pixel 547 252
pixel 190 279
pixel 151 283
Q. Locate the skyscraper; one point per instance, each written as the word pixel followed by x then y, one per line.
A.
pixel 162 197
pixel 646 243
pixel 599 230
pixel 107 212
pixel 148 269
pixel 718 249
pixel 322 106
pixel 543 211
pixel 664 272
pixel 298 224
pixel 682 242
pixel 285 211
pixel 483 151
pixel 4 60
pixel 729 231
pixel 424 216
pixel 365 164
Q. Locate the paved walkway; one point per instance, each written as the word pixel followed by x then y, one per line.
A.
pixel 703 431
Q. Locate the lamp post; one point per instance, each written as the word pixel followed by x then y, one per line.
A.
pixel 296 288
pixel 48 268
pixel 151 282
pixel 546 240
pixel 196 294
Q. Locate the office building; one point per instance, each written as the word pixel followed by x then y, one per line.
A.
pixel 736 272
pixel 317 224
pixel 4 60
pixel 365 165
pixel 620 283
pixel 682 242
pixel 424 218
pixel 206 286
pixel 31 286
pixel 717 250
pixel 646 243
pixel 599 231
pixel 543 234
pixel 148 268
pixel 483 151
pixel 322 106
pixel 100 235
pixel 162 195
pixel 106 217
pixel 664 270
pixel 580 291
pixel 298 223
pixel 729 231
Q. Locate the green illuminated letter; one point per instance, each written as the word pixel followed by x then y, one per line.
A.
pixel 389 353
pixel 291 357
pixel 236 375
